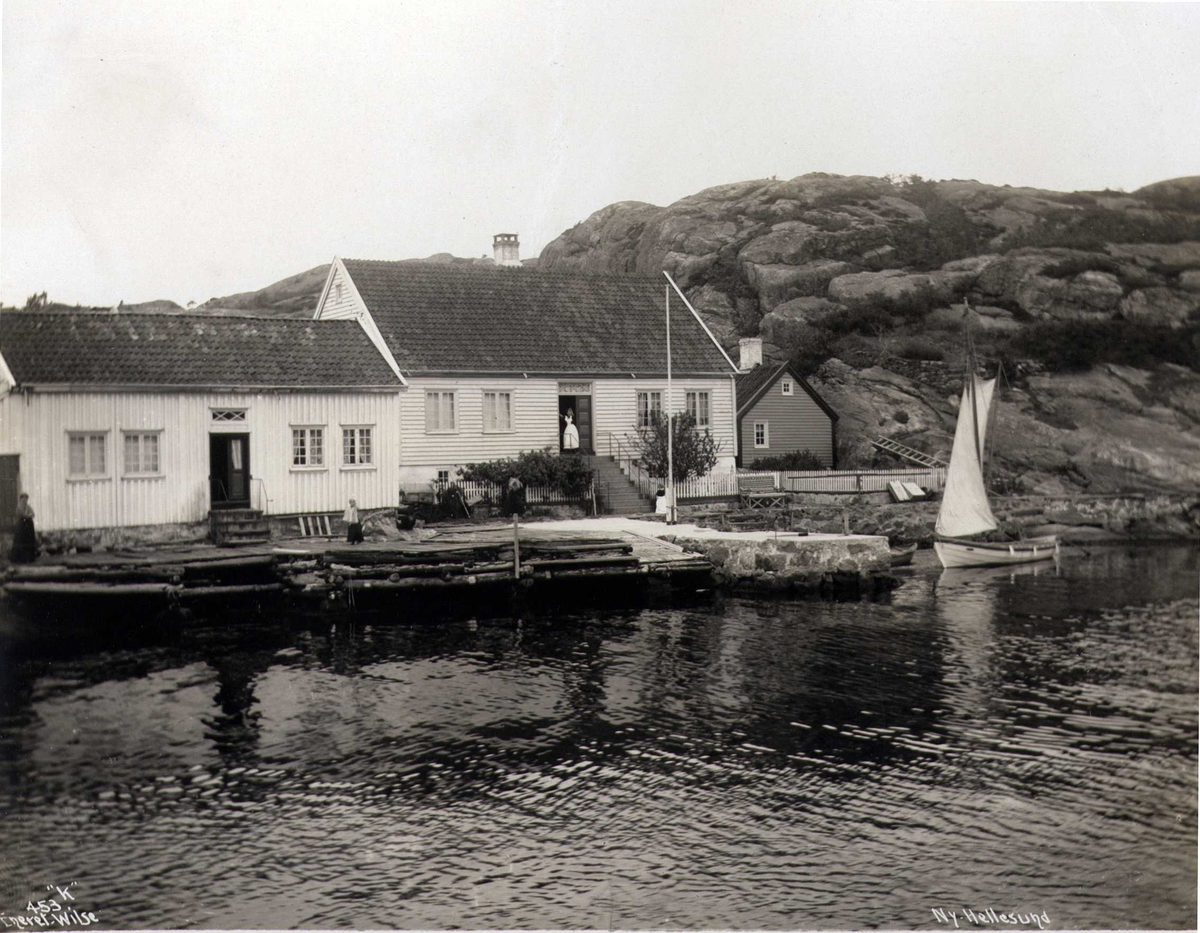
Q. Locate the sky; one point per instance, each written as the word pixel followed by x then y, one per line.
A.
pixel 187 150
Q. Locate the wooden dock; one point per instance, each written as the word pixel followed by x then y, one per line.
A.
pixel 457 558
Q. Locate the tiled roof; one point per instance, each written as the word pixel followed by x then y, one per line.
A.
pixel 444 318
pixel 752 385
pixel 44 347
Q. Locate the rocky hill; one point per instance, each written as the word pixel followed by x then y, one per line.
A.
pixel 1091 300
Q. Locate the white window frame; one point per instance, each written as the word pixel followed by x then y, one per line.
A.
pixel 457 413
pixel 766 433
pixel 360 464
pixel 787 386
pixel 308 466
pixel 441 478
pixel 692 400
pixel 139 473
pixel 228 415
pixel 88 472
pixel 652 396
pixel 496 427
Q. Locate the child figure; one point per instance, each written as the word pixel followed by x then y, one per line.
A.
pixel 354 533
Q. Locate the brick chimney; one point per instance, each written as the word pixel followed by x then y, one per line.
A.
pixel 506 249
pixel 749 353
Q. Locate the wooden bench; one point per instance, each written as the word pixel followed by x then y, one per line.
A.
pixel 759 492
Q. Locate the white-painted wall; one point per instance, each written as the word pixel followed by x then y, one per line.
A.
pixel 181 492
pixel 535 419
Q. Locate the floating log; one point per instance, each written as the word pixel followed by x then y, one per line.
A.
pixel 64 574
pixel 228 563
pixel 247 589
pixel 410 583
pixel 581 562
pixel 89 589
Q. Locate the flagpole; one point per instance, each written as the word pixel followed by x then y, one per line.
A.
pixel 670 421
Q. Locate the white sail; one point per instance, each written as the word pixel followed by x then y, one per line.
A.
pixel 965 509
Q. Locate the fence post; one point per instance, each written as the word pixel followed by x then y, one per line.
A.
pixel 516 549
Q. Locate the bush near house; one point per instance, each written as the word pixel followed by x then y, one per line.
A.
pixel 567 474
pixel 795 460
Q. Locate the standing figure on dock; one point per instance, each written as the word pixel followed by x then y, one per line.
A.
pixel 24 546
pixel 515 497
pixel 354 533
pixel 570 432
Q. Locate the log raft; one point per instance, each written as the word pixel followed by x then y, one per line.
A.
pixel 476 559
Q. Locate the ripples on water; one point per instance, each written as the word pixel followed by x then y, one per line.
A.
pixel 979 739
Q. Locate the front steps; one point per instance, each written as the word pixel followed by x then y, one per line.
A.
pixel 620 495
pixel 234 527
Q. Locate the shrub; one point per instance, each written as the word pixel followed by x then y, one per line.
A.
pixel 796 460
pixel 694 452
pixel 920 347
pixel 1093 227
pixel 1064 346
pixel 570 475
pixel 1074 265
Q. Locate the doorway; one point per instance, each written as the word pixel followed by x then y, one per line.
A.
pixel 580 408
pixel 10 486
pixel 229 470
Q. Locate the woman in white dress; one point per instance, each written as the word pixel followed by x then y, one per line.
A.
pixel 570 432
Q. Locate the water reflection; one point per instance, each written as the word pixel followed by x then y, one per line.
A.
pixel 979 739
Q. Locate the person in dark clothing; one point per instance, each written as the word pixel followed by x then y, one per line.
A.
pixel 354 534
pixel 24 546
pixel 515 504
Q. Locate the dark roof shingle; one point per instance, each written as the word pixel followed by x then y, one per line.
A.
pixel 44 347
pixel 440 318
pixel 752 385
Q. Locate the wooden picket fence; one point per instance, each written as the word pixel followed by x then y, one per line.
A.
pixel 475 490
pixel 725 484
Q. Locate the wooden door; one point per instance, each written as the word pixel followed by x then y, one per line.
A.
pixel 10 489
pixel 229 470
pixel 583 421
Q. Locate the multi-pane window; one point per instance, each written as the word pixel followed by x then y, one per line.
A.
pixel 443 476
pixel 141 454
pixel 762 434
pixel 787 386
pixel 497 411
pixel 356 446
pixel 308 447
pixel 649 406
pixel 699 407
pixel 87 454
pixel 439 412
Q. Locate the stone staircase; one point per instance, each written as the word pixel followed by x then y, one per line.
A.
pixel 620 495
pixel 234 527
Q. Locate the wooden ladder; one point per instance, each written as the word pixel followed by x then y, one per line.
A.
pixel 313 526
pixel 906 453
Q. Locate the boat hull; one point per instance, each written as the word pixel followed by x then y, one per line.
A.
pixel 957 552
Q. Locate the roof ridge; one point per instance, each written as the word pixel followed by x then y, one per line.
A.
pixel 172 317
pixel 484 268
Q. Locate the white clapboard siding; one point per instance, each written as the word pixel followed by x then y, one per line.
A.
pixel 340 302
pixel 534 415
pixel 615 407
pixel 181 492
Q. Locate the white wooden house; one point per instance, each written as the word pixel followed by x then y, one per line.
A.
pixel 141 419
pixel 496 356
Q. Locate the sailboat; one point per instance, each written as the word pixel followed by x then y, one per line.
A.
pixel 965 513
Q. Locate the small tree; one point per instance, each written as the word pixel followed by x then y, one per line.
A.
pixel 694 451
pixel 36 302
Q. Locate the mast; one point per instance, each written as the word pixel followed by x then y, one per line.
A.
pixel 970 375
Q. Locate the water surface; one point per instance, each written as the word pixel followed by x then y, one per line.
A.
pixel 978 739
